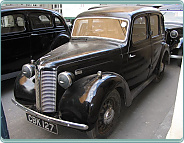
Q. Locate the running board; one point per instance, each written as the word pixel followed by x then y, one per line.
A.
pixel 176 57
pixel 138 89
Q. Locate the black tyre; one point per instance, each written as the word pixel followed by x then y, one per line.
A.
pixel 107 117
pixel 180 53
pixel 160 71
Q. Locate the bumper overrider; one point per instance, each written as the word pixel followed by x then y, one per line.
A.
pixel 51 119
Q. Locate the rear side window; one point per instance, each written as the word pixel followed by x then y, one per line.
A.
pixel 139 29
pixel 154 25
pixel 12 23
pixel 40 20
pixel 58 22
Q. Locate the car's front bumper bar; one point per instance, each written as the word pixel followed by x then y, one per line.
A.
pixel 51 119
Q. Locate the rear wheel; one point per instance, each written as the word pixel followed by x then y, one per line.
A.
pixel 160 71
pixel 108 116
pixel 180 53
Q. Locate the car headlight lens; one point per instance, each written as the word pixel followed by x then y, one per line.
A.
pixel 28 70
pixel 174 34
pixel 65 79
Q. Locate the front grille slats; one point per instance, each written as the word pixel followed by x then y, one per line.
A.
pixel 47 91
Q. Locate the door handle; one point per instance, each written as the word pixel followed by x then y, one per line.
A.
pixel 131 56
pixel 33 34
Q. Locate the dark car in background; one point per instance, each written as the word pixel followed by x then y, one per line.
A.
pixel 114 53
pixel 173 16
pixel 27 34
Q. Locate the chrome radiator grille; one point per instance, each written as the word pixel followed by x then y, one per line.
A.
pixel 46 91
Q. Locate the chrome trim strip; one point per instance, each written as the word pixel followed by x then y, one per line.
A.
pixel 37 89
pixel 51 119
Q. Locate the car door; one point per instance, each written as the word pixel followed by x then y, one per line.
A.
pixel 42 33
pixel 139 59
pixel 157 37
pixel 15 50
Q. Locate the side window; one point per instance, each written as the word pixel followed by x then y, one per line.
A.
pixel 58 22
pixel 12 23
pixel 139 29
pixel 40 20
pixel 154 25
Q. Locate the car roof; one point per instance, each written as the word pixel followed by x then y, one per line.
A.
pixel 172 7
pixel 22 8
pixel 118 11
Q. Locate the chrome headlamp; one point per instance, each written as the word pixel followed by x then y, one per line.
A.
pixel 65 79
pixel 28 70
pixel 174 34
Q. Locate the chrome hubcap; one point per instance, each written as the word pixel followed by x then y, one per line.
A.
pixel 108 116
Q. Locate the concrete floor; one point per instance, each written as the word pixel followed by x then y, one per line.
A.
pixel 149 117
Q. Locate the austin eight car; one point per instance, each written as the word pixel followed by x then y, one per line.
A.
pixel 114 53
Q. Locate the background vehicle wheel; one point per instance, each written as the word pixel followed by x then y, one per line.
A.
pixel 107 117
pixel 180 53
pixel 160 72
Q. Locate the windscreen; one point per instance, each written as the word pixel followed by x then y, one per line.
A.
pixel 100 27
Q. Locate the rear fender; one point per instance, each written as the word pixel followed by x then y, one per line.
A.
pixel 59 40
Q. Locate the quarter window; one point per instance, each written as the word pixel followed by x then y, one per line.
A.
pixel 58 22
pixel 154 25
pixel 40 20
pixel 12 23
pixel 139 29
pixel 162 25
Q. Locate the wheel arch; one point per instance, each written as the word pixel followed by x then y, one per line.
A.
pixel 166 57
pixel 86 95
pixel 165 54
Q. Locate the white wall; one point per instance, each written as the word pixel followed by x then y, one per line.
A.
pixel 72 10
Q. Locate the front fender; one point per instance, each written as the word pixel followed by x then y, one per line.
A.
pixel 180 43
pixel 24 90
pixel 82 101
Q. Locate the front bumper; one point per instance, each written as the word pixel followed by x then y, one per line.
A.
pixel 51 119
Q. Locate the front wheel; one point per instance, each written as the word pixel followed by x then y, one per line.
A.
pixel 107 117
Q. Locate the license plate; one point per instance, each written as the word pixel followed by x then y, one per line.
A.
pixel 42 123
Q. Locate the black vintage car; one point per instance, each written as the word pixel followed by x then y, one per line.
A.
pixel 173 17
pixel 28 33
pixel 114 53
